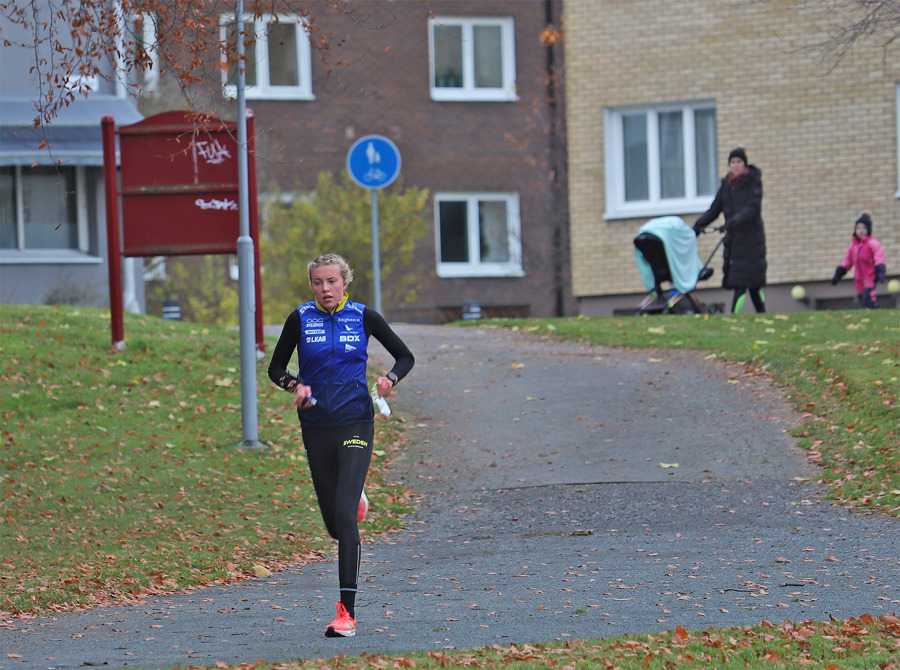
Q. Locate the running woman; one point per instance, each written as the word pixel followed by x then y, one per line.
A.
pixel 331 335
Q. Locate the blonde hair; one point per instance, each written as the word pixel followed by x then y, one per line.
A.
pixel 331 259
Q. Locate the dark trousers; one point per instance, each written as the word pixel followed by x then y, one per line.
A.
pixel 338 462
pixel 868 299
pixel 756 295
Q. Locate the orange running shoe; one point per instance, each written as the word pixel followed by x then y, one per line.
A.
pixel 363 508
pixel 343 625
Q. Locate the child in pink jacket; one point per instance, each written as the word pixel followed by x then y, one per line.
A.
pixel 867 255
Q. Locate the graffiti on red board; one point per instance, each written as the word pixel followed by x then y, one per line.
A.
pixel 226 204
pixel 213 151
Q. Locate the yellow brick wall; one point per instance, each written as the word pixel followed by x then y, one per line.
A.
pixel 825 139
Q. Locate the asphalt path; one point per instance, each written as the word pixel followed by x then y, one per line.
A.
pixel 566 492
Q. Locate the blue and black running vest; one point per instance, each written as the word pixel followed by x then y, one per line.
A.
pixel 332 358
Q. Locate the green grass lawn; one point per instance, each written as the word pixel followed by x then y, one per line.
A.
pixel 121 472
pixel 863 644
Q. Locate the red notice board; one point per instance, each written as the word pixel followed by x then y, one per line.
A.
pixel 179 186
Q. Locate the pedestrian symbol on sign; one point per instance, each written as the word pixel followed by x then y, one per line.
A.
pixel 375 173
pixel 373 161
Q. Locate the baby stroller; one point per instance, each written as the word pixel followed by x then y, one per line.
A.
pixel 666 251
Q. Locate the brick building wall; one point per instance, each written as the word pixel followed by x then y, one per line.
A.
pixel 825 139
pixel 374 79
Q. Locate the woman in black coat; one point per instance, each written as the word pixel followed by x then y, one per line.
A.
pixel 739 198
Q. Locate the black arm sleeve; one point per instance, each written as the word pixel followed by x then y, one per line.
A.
pixel 281 356
pixel 378 328
pixel 711 214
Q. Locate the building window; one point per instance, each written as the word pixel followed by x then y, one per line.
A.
pixel 278 58
pixel 660 159
pixel 472 59
pixel 478 235
pixel 143 37
pixel 43 210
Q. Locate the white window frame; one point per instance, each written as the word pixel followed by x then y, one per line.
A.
pixel 147 37
pixel 258 50
pixel 469 92
pixel 23 255
pixel 88 86
pixel 655 205
pixel 474 267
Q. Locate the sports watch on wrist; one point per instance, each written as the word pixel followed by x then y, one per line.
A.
pixel 393 378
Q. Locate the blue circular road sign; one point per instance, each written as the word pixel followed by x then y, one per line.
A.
pixel 373 161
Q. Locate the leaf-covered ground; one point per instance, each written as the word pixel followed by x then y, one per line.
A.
pixel 121 472
pixel 863 643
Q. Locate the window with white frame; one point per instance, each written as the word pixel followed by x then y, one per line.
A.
pixel 143 36
pixel 472 59
pixel 478 235
pixel 278 61
pixel 660 159
pixel 43 210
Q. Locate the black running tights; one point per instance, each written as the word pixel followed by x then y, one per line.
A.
pixel 338 462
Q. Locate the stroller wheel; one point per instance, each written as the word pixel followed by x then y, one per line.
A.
pixel 688 304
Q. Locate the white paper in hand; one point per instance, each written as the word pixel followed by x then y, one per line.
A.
pixel 380 402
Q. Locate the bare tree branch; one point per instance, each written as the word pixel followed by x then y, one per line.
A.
pixel 77 43
pixel 844 26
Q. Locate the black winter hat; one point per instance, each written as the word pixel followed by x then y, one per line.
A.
pixel 739 153
pixel 866 219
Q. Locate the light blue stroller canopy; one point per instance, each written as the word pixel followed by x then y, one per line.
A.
pixel 680 243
